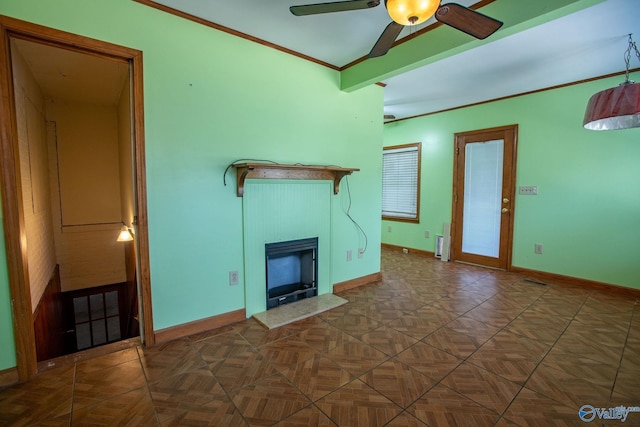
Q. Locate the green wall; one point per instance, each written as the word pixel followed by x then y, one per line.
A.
pixel 212 98
pixel 7 348
pixel 588 208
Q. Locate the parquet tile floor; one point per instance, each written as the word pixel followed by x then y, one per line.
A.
pixel 432 344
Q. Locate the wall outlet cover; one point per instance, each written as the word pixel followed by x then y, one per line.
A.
pixel 528 190
pixel 233 278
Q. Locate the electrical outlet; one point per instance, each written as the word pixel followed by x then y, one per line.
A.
pixel 360 252
pixel 389 229
pixel 426 234
pixel 405 250
pixel 538 248
pixel 233 278
pixel 349 255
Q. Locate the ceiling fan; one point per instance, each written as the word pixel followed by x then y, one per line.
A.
pixel 410 12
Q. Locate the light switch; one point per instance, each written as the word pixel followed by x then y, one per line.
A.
pixel 528 190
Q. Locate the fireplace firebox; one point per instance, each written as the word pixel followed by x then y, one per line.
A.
pixel 292 271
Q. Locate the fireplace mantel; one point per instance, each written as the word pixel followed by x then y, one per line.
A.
pixel 278 171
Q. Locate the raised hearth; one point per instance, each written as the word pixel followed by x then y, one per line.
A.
pixel 299 310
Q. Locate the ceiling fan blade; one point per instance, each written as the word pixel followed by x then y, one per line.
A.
pixel 386 39
pixel 338 6
pixel 469 21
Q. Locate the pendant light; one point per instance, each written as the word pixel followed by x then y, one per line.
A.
pixel 411 12
pixel 618 107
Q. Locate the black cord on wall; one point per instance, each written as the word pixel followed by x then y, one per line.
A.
pixel 346 178
pixel 348 213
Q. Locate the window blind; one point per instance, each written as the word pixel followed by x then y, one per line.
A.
pixel 400 175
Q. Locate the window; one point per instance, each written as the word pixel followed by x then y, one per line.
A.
pixel 97 316
pixel 401 182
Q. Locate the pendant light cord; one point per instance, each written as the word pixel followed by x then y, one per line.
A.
pixel 627 57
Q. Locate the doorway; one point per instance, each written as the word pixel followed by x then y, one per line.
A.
pixel 13 170
pixel 483 196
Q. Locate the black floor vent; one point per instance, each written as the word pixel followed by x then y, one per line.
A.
pixel 534 282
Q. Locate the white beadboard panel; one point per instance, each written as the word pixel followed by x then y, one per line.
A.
pixel 34 179
pixel 278 211
pixel 91 258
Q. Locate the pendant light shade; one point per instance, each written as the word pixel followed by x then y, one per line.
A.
pixel 615 108
pixel 411 12
pixel 618 107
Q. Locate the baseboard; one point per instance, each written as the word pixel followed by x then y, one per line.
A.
pixel 409 250
pixel 9 377
pixel 540 275
pixel 543 276
pixel 197 326
pixel 358 281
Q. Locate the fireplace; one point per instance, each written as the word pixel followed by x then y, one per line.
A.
pixel 292 271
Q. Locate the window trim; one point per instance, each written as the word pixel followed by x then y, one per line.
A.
pixel 418 146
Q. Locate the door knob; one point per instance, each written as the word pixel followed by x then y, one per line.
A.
pixel 505 200
pixel 505 210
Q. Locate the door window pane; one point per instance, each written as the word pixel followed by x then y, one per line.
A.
pixel 482 198
pixel 81 309
pixel 83 336
pixel 111 299
pixel 99 332
pixel 97 307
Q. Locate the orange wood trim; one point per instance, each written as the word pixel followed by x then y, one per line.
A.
pixel 550 278
pixel 358 281
pixel 14 223
pixel 10 172
pixel 197 326
pixel 517 95
pixel 9 377
pixel 142 217
pixel 410 250
pixel 184 15
pixel 277 171
pixel 508 133
pixel 61 39
pixel 91 353
pixel 398 219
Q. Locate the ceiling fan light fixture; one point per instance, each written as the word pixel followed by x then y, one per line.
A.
pixel 618 107
pixel 411 12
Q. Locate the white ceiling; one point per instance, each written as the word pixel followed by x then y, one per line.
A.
pixel 585 44
pixel 334 38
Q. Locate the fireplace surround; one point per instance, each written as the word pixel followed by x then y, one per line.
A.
pixel 276 210
pixel 291 271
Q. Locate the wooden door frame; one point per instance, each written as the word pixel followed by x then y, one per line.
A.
pixel 457 228
pixel 14 223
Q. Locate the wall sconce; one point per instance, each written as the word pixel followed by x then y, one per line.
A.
pixel 618 107
pixel 125 234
